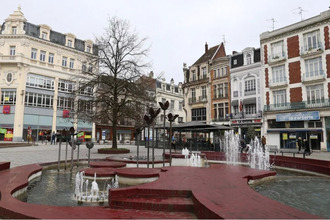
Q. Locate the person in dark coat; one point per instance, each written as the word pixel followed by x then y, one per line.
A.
pixel 299 143
pixel 306 146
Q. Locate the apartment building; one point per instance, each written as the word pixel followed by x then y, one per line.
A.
pixel 206 87
pixel 173 93
pixel 39 70
pixel 246 91
pixel 296 70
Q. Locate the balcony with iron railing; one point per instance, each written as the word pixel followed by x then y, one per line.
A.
pixel 220 96
pixel 192 100
pixel 221 119
pixel 310 50
pixel 313 76
pixel 246 115
pixel 277 57
pixel 202 98
pixel 311 104
pixel 278 82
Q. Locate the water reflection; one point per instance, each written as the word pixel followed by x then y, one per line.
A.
pixel 305 192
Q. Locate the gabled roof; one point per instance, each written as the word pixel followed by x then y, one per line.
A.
pixel 212 53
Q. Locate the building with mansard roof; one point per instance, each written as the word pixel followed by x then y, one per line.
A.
pixel 39 69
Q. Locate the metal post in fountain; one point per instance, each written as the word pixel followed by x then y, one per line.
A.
pixel 148 120
pixel 164 108
pixel 137 135
pixel 60 137
pixel 153 115
pixel 171 118
pixel 72 143
pixel 67 139
pixel 78 143
pixel 89 145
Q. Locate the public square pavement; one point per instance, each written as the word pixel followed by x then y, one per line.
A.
pixel 43 153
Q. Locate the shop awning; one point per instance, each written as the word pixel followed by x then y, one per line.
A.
pixel 249 101
pixel 234 102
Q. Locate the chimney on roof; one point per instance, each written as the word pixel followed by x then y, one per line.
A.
pixel 206 47
pixel 151 74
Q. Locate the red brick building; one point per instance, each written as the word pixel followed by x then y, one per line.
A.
pixel 296 73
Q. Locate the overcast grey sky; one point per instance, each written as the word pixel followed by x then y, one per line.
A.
pixel 176 29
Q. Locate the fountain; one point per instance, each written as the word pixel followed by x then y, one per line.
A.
pixel 232 147
pixel 84 194
pixel 256 157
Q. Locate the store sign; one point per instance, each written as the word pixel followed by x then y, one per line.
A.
pixel 6 109
pixel 298 116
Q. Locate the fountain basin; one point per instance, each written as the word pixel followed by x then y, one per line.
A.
pixel 100 172
pixel 111 164
pixel 137 176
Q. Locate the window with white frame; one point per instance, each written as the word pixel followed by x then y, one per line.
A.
pixel 278 74
pixel 84 67
pixel 88 49
pixel 12 50
pixel 277 50
pixel 13 30
pixel 163 100
pixel 85 106
pixel 34 53
pixel 65 103
pixel 193 93
pixel 250 85
pixel 38 100
pixel 314 67
pixel 225 89
pixel 172 104
pixel 44 35
pixel 51 58
pixel 69 43
pixel 315 93
pixel 9 77
pixel 180 105
pixel 8 97
pixel 203 92
pixel 38 81
pixel 194 77
pixel 248 59
pixel 312 40
pixel 71 63
pixel 204 72
pixel 42 56
pixel 64 61
pixel 250 109
pixel 86 90
pixel 279 97
pixel 66 86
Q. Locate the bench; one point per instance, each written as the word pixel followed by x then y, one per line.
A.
pixel 293 151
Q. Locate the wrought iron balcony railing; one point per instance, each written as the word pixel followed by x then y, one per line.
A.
pixel 318 103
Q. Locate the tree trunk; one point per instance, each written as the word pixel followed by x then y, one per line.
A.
pixel 114 134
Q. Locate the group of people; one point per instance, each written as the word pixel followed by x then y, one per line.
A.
pixel 42 135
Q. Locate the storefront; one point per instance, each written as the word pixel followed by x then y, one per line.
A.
pixel 290 126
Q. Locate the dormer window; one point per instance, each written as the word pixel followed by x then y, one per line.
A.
pixel 44 35
pixel 14 30
pixel 69 43
pixel 88 49
pixel 44 31
pixel 248 59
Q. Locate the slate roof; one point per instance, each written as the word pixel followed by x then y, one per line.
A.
pixel 210 53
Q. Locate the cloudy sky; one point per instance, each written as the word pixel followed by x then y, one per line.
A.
pixel 176 29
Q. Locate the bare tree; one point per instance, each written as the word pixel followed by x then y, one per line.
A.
pixel 119 91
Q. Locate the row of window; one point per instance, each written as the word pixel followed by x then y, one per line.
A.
pixel 39 81
pixel 311 40
pixel 313 68
pixel 220 72
pixel 44 35
pixel 313 92
pixel 220 90
pixel 220 110
pixel 172 104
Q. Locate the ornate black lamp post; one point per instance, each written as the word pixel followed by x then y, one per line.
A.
pixel 149 120
pixel 89 145
pixel 171 118
pixel 164 108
